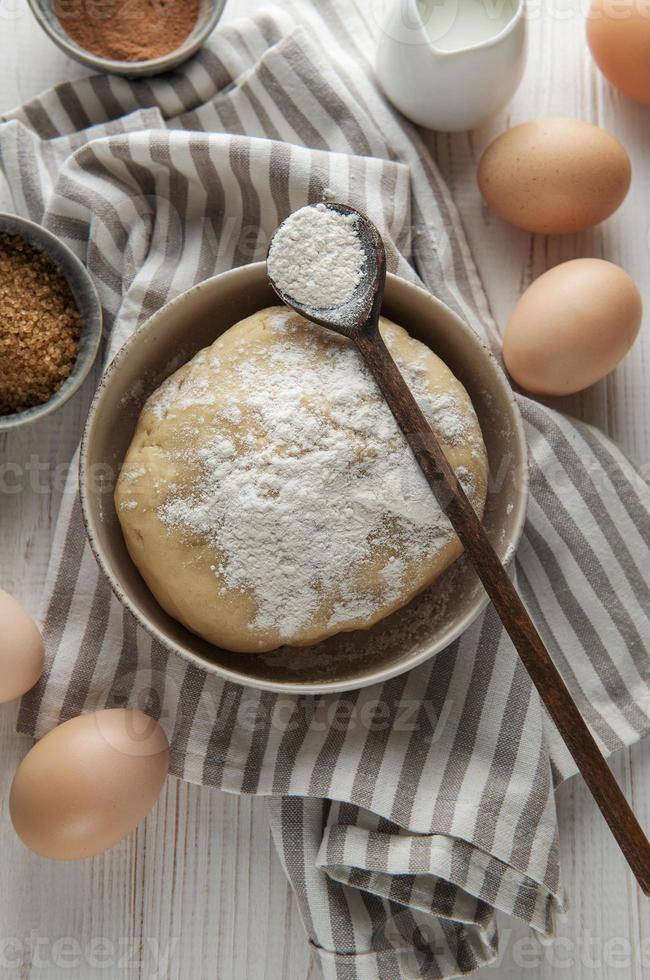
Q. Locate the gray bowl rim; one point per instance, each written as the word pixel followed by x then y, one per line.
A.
pixel 133 69
pixel 91 329
pixel 300 688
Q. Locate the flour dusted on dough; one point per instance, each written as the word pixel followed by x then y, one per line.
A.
pixel 298 496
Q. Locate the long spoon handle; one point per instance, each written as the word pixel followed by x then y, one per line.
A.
pixel 508 604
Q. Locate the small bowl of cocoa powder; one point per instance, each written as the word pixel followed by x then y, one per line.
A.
pixel 129 37
pixel 50 322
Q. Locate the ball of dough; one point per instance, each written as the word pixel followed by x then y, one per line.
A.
pixel 268 496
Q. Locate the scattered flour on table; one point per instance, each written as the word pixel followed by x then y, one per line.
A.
pixel 317 258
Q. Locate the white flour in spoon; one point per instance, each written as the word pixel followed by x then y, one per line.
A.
pixel 317 258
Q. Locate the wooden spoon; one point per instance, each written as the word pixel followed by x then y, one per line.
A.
pixel 358 319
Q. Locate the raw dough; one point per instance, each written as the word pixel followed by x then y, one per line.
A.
pixel 268 496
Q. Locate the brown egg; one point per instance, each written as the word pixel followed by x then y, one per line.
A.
pixel 554 176
pixel 619 37
pixel 21 650
pixel 88 783
pixel 571 327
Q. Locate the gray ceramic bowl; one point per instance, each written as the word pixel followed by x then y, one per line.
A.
pixel 209 13
pixel 418 631
pixel 87 300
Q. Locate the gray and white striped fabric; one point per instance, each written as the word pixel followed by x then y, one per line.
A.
pixel 402 836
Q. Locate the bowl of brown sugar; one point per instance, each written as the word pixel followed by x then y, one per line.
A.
pixel 50 322
pixel 129 37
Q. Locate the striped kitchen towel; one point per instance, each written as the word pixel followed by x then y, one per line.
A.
pixel 401 838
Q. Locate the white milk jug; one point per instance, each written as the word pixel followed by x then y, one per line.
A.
pixel 451 64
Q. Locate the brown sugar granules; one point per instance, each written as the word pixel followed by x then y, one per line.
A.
pixel 39 326
pixel 128 30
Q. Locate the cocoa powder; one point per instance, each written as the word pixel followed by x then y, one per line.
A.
pixel 128 30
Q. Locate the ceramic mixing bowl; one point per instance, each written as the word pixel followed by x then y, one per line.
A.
pixel 418 631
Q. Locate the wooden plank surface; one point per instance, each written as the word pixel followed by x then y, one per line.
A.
pixel 198 891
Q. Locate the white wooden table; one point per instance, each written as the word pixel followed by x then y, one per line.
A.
pixel 197 892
